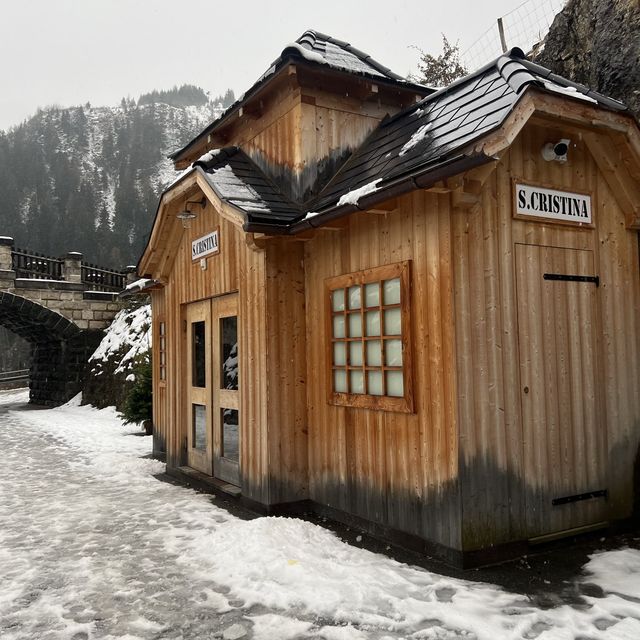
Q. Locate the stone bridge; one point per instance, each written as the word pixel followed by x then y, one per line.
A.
pixel 61 306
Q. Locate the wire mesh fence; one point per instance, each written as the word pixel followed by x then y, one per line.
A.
pixel 524 27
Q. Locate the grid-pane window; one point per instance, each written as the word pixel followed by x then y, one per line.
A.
pixel 369 325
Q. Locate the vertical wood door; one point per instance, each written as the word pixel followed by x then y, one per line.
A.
pixel 226 389
pixel 564 431
pixel 199 385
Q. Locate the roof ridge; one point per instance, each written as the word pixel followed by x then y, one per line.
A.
pixel 361 55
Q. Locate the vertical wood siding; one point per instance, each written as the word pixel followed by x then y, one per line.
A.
pixel 396 469
pixel 495 496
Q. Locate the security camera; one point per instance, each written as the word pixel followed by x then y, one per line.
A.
pixel 556 150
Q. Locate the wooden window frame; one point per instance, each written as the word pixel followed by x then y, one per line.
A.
pixel 405 403
pixel 162 379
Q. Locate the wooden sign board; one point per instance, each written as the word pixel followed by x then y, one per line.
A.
pixel 205 245
pixel 560 206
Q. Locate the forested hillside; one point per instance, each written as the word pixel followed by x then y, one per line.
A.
pixel 88 178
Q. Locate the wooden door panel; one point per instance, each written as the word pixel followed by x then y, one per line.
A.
pixel 227 420
pixel 564 434
pixel 198 410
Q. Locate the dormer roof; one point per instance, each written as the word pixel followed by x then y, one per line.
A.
pixel 313 49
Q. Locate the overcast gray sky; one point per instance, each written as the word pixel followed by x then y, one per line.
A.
pixel 69 52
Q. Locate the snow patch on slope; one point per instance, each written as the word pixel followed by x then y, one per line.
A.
pixel 130 331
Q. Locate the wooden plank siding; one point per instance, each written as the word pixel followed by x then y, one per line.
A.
pixel 396 469
pixel 494 495
pixel 468 468
pixel 271 327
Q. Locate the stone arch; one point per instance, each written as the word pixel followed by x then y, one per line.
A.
pixel 60 349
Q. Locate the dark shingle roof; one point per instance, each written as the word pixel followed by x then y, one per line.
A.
pixel 322 50
pixel 341 55
pixel 236 179
pixel 423 144
pixel 437 129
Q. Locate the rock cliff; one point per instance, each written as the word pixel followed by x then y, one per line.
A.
pixel 597 43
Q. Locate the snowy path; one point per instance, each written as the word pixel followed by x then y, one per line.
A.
pixel 92 546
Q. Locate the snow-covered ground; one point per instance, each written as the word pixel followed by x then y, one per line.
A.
pixel 93 546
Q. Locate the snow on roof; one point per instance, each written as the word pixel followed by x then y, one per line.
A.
pixel 568 91
pixel 352 197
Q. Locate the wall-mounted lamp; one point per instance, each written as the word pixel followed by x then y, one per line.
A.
pixel 187 215
pixel 556 150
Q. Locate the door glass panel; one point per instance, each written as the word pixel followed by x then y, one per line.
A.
pixel 229 352
pixel 230 439
pixel 199 426
pixel 198 365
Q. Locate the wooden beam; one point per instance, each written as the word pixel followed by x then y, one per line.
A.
pixel 462 200
pixel 502 139
pixel 255 241
pixel 384 207
pixel 481 174
pixel 624 188
pixel 439 187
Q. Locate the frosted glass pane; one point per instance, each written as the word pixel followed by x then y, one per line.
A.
pixel 356 378
pixel 395 386
pixel 391 291
pixel 337 300
pixel 355 354
pixel 392 322
pixel 372 294
pixel 355 325
pixel 340 381
pixel 374 380
pixel 372 321
pixel 374 353
pixel 393 353
pixel 339 354
pixel 338 326
pixel 354 297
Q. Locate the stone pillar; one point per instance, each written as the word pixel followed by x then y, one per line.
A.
pixel 7 274
pixel 72 271
pixel 131 271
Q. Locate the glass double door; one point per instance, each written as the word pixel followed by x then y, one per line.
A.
pixel 213 404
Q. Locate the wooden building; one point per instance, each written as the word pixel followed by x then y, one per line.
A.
pixel 410 309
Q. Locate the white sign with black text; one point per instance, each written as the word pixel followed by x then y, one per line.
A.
pixel 205 246
pixel 555 205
